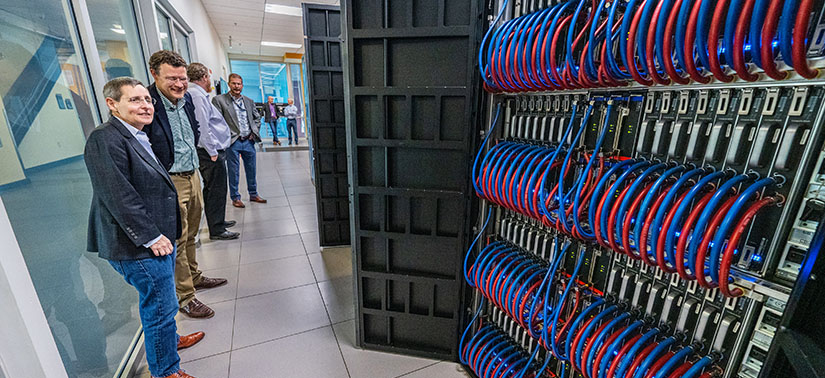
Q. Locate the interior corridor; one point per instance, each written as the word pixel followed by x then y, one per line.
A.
pixel 288 308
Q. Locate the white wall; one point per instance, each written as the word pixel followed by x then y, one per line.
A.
pixel 210 50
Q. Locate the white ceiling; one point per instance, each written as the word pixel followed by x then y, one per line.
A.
pixel 247 24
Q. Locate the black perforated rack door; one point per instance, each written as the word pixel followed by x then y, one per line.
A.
pixel 412 98
pixel 322 28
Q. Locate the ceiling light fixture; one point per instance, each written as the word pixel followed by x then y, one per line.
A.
pixel 282 44
pixel 283 9
pixel 118 31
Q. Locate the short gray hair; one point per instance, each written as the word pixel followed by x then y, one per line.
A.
pixel 112 88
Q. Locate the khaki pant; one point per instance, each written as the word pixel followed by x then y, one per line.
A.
pixel 190 200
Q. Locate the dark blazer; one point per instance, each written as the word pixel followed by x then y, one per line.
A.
pixel 227 109
pixel 268 114
pixel 160 131
pixel 133 200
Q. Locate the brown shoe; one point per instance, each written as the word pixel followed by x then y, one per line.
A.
pixel 257 199
pixel 196 309
pixel 208 283
pixel 238 203
pixel 189 340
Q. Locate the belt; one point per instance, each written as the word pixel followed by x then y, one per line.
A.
pixel 184 174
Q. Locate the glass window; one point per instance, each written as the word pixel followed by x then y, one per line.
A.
pixel 251 78
pixel 297 95
pixel 117 38
pixel 164 31
pixel 182 44
pixel 46 110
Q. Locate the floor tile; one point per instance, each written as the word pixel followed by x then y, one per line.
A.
pixel 272 248
pixel 270 202
pixel 311 242
pixel 307 224
pixel 303 181
pixel 266 276
pixel 301 199
pixel 332 263
pixel 308 210
pixel 269 316
pixel 440 370
pixel 209 367
pixel 369 364
pixel 218 331
pixel 268 229
pixel 313 354
pixel 220 293
pixel 255 215
pixel 297 190
pixel 338 298
pixel 218 254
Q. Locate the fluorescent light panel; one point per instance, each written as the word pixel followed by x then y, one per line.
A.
pixel 282 44
pixel 283 9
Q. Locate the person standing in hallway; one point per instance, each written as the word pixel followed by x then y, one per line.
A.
pixel 271 118
pixel 214 140
pixel 174 133
pixel 244 123
pixel 291 112
pixel 134 216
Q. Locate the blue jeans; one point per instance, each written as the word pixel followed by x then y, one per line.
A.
pixel 154 279
pixel 273 125
pixel 292 128
pixel 246 150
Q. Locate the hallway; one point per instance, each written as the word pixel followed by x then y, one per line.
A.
pixel 288 308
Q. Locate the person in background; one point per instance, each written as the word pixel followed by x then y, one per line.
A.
pixel 271 118
pixel 134 216
pixel 291 113
pixel 174 133
pixel 244 123
pixel 212 147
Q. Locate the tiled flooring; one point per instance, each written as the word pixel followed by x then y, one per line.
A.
pixel 288 308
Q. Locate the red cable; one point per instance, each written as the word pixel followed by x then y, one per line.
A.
pixel 719 14
pixel 603 350
pixel 702 250
pixel 651 48
pixel 670 30
pixel 659 363
pixel 629 217
pixel 660 242
pixel 800 48
pixel 641 357
pixel 733 242
pixel 576 341
pixel 684 235
pixel 690 41
pixel 768 32
pixel 651 214
pixel 554 52
pixel 591 341
pixel 611 223
pixel 739 43
pixel 597 229
pixel 620 356
pixel 681 370
pixel 631 49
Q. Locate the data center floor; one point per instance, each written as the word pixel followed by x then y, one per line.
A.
pixel 288 308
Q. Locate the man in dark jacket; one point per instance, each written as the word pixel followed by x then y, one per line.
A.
pixel 133 217
pixel 174 135
pixel 271 118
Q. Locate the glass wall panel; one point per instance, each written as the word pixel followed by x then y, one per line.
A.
pixel 297 94
pixel 275 83
pixel 182 44
pixel 46 110
pixel 164 31
pixel 249 71
pixel 117 38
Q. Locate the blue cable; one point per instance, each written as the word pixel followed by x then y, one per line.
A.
pixel 708 212
pixel 589 329
pixel 579 319
pixel 547 282
pixel 612 348
pixel 631 354
pixel 543 195
pixel 681 30
pixel 488 161
pixel 535 64
pixel 532 170
pixel 574 70
pixel 594 199
pixel 673 361
pixel 532 183
pixel 659 349
pixel 760 10
pixel 520 35
pixel 612 66
pixel 469 250
pixel 697 368
pixel 656 226
pixel 728 222
pixel 481 65
pixel 511 52
pixel 560 193
pixel 641 37
pixel 651 194
pixel 591 357
pixel 786 23
pixel 481 148
pixel 629 197
pixel 464 335
pixel 611 194
pixel 590 66
pixel 702 31
pixel 625 31
pixel 734 9
pixel 676 226
pixel 551 32
pixel 664 13
pixel 513 170
pixel 583 177
pixel 557 312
